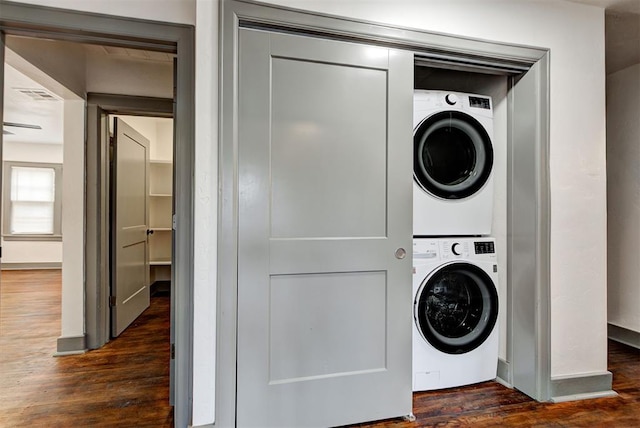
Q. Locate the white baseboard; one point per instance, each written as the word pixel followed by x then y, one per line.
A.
pixel 30 265
pixel 582 387
pixel 623 335
pixel 71 345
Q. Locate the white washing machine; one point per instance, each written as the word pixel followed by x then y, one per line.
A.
pixel 452 164
pixel 455 330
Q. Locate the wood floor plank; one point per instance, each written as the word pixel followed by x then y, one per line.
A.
pixel 126 383
pixel 491 404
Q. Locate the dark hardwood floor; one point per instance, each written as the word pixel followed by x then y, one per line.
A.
pixel 125 384
pixel 490 404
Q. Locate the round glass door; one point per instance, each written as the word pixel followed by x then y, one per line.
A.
pixel 452 155
pixel 457 308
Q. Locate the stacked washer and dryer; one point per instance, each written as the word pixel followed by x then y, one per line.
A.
pixel 455 334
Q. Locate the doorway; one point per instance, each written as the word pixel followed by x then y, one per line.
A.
pixel 141 211
pixel 33 171
pixel 169 38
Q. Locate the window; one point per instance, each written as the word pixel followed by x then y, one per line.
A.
pixel 32 195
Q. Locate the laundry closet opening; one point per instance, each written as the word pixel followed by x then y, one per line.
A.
pixel 460 224
pixel 493 84
pixel 267 49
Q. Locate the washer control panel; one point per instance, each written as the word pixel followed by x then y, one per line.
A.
pixel 427 250
pixel 486 247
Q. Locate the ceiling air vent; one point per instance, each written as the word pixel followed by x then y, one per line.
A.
pixel 37 94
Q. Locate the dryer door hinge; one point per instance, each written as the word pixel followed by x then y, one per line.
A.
pixel 112 300
pixel 173 351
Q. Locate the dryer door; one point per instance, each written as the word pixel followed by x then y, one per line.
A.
pixel 456 308
pixel 452 155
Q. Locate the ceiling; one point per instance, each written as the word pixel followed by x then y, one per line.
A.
pixel 27 103
pixel 629 6
pixel 23 106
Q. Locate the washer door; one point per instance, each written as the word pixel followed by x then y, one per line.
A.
pixel 456 308
pixel 452 155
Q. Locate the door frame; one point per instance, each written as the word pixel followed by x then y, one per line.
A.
pixel 97 207
pixel 61 24
pixel 528 365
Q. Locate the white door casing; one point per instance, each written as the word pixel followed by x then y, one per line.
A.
pixel 324 243
pixel 130 262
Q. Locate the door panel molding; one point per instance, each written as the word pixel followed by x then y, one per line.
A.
pixel 450 52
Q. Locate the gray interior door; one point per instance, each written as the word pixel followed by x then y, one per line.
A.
pixel 130 263
pixel 325 206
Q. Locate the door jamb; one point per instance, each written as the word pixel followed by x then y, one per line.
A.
pixel 61 24
pixel 533 232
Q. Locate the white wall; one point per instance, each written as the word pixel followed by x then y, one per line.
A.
pixel 206 213
pixel 128 76
pixel 30 152
pixel 72 320
pixel 179 11
pixel 163 150
pixel 623 158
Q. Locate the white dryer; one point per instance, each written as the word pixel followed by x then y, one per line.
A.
pixel 455 333
pixel 452 164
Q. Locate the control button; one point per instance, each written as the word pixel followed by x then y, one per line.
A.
pixel 455 250
pixel 451 99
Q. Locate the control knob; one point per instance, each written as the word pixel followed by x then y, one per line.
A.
pixel 451 99
pixel 455 248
